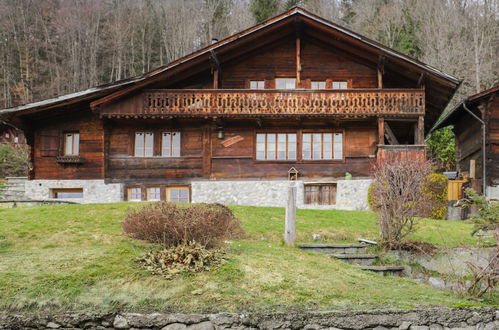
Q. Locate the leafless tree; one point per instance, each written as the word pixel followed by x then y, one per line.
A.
pixel 398 189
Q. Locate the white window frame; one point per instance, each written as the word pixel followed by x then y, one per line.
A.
pixel 143 149
pixel 171 144
pixel 257 84
pixel 271 150
pixel 330 150
pixel 319 84
pixel 71 144
pixel 289 83
pixel 340 84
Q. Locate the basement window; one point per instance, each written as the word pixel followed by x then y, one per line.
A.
pixel 153 193
pixel 134 194
pixel 67 193
pixel 179 194
pixel 320 194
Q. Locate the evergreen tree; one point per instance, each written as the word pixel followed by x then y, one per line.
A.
pixel 263 9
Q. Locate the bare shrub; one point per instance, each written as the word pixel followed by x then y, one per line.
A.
pixel 173 224
pixel 399 191
pixel 189 257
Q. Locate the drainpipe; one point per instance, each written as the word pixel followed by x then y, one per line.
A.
pixel 484 152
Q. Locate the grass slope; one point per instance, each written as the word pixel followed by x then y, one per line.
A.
pixel 74 257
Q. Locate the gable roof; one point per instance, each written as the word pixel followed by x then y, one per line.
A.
pixel 452 116
pixel 106 93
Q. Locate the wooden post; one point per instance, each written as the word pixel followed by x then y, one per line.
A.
pixel 215 79
pixel 381 130
pixel 380 71
pixel 289 228
pixel 420 131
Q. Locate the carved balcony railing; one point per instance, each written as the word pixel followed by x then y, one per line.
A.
pixel 285 102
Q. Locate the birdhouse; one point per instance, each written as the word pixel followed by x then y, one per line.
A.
pixel 293 174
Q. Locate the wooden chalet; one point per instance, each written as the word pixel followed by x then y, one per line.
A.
pixel 475 123
pixel 296 97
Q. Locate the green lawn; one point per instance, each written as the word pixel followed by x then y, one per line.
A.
pixel 74 257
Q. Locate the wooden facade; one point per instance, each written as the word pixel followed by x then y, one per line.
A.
pixel 295 91
pixel 470 139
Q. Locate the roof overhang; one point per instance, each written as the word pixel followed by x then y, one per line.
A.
pixel 455 114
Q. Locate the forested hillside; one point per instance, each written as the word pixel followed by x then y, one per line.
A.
pixel 52 47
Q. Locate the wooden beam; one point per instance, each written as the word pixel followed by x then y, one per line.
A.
pixel 298 60
pixel 207 152
pixel 381 70
pixel 381 130
pixel 392 139
pixel 421 80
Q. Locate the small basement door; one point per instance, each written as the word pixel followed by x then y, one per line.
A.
pixel 320 194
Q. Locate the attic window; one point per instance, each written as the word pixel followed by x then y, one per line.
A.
pixel 340 85
pixel 285 83
pixel 318 85
pixel 257 84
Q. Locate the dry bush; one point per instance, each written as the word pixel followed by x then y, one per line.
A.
pixel 172 224
pixel 398 188
pixel 416 247
pixel 188 257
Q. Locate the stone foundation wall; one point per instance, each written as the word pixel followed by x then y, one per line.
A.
pixel 430 319
pixel 94 191
pixel 351 194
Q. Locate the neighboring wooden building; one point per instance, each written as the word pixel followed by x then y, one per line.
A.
pixel 228 122
pixel 467 118
pixel 11 135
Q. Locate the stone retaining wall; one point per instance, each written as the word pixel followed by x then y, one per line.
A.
pixel 94 191
pixel 351 194
pixel 429 319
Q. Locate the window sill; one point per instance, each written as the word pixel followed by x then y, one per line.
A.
pixel 69 159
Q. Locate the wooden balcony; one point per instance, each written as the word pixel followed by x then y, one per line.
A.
pixel 351 102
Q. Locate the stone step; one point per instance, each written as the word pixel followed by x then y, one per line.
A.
pixel 385 270
pixel 360 259
pixel 334 248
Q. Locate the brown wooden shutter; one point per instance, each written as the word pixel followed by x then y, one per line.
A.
pixel 49 142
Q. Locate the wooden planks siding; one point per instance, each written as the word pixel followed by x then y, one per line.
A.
pixel 48 145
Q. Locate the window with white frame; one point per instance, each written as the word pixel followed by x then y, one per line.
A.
pixel 134 194
pixel 322 146
pixel 276 146
pixel 179 194
pixel 71 144
pixel 340 85
pixel 153 193
pixel 318 85
pixel 257 84
pixel 285 83
pixel 170 144
pixel 144 144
